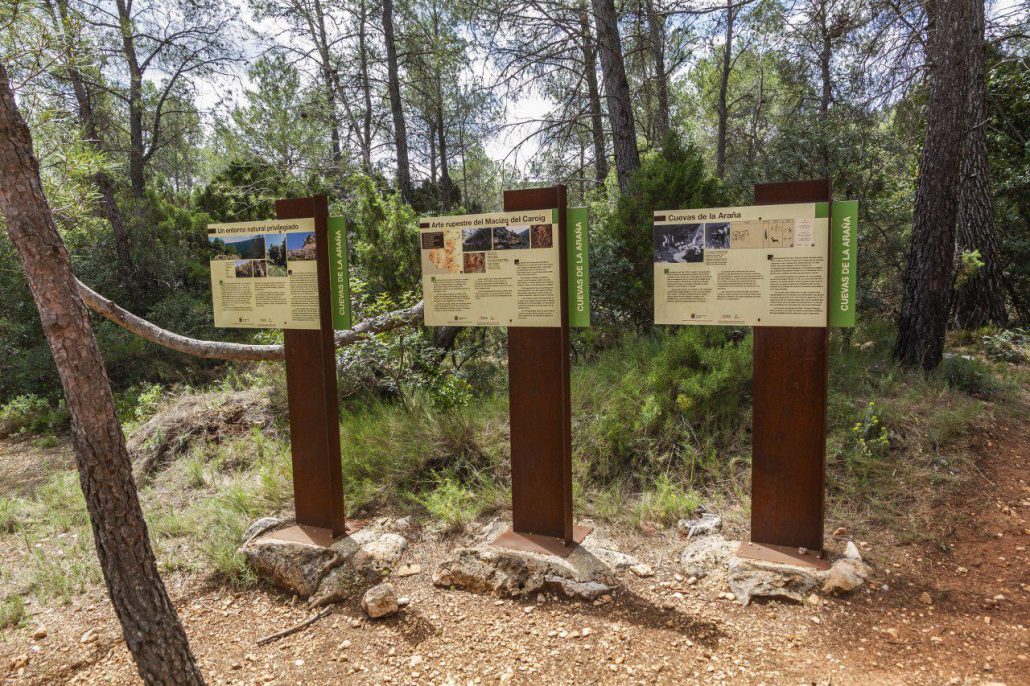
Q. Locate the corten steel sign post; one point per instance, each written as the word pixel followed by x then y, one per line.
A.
pixel 539 392
pixel 788 442
pixel 313 401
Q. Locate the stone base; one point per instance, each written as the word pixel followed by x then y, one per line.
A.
pixel 322 574
pixel 715 557
pixel 586 574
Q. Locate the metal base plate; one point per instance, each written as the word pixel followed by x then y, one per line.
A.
pixel 545 545
pixel 312 535
pixel 783 555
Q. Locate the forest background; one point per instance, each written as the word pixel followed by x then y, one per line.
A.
pixel 152 119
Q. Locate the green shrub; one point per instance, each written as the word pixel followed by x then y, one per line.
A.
pixel 12 612
pixel 622 263
pixel 666 502
pixel 31 414
pixel 969 375
pixel 8 515
pixel 1008 345
pixel 669 401
pixel 871 437
pixel 457 504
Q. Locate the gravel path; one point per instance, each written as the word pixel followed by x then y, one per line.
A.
pixel 959 616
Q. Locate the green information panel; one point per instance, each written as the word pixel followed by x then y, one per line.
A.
pixel 339 275
pixel 576 241
pixel 843 260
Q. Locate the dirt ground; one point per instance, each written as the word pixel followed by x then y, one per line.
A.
pixel 956 612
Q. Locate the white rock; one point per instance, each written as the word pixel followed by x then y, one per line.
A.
pixel 851 551
pixel 615 559
pixel 509 573
pixel 380 601
pixel 758 579
pixel 403 601
pixel 707 554
pixel 642 570
pixel 845 576
pixel 382 553
pixel 705 525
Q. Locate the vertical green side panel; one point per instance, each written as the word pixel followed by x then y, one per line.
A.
pixel 339 273
pixel 843 262
pixel 578 254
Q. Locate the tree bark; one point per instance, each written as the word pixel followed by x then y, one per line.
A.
pixel 137 180
pixel 150 625
pixel 445 174
pixel 825 61
pixel 594 94
pixel 393 84
pixel 656 38
pixel 980 298
pixel 366 90
pixel 89 125
pixel 616 86
pixel 928 279
pixel 724 87
pixel 329 78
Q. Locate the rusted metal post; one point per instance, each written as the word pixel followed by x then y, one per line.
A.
pixel 788 442
pixel 313 401
pixel 539 392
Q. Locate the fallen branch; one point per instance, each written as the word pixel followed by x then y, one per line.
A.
pixel 295 628
pixel 219 350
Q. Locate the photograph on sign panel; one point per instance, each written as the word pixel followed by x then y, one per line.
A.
pixel 301 247
pixel 247 247
pixel 779 233
pixel 475 262
pixel 475 239
pixel 717 236
pixel 511 238
pixel 275 250
pixel 542 236
pixel 431 240
pixel 441 255
pixel 247 269
pixel 677 243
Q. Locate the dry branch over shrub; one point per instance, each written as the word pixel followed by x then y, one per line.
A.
pixel 219 350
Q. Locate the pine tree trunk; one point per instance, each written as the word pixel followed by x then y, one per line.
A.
pixel 928 279
pixel 825 60
pixel 393 83
pixel 150 625
pixel 656 39
pixel 137 179
pixel 616 86
pixel 329 80
pixel 445 174
pixel 366 91
pixel 89 125
pixel 594 94
pixel 724 88
pixel 980 298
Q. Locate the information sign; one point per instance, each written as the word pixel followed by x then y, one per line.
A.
pixel 264 274
pixel 497 269
pixel 745 266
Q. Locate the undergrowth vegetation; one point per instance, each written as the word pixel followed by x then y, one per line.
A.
pixel 661 425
